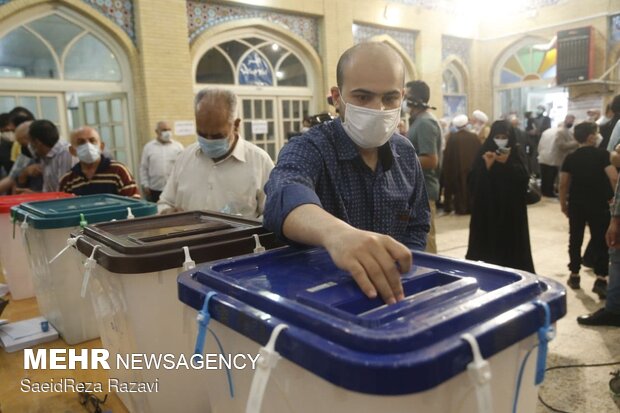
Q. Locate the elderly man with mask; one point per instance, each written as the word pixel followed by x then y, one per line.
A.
pixel 95 173
pixel 158 157
pixel 353 185
pixel 221 171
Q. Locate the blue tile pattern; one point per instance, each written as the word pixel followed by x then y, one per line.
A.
pixel 456 46
pixel 406 38
pixel 202 15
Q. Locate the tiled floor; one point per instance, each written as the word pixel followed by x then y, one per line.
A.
pixel 583 390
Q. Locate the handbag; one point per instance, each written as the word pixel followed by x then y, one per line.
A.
pixel 533 194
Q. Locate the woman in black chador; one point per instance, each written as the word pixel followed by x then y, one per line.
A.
pixel 498 230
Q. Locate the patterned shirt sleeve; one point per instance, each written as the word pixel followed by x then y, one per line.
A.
pixel 615 207
pixel 128 185
pixel 291 183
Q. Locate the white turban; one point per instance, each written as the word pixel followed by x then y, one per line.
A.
pixel 481 116
pixel 460 121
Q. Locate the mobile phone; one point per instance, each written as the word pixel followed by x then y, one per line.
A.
pixel 502 151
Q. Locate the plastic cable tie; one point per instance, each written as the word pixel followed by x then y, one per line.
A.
pixel 546 333
pixel 480 370
pixel 188 264
pixel 24 225
pixel 258 247
pixel 130 215
pixel 203 319
pixel 70 242
pixel 266 362
pixel 89 265
pixel 83 221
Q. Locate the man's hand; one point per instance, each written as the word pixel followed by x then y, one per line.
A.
pixel 612 233
pixel 34 170
pixel 375 261
pixel 170 211
pixel 19 191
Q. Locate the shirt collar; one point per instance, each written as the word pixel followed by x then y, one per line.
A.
pixel 59 147
pixel 347 150
pixel 237 153
pixel 104 164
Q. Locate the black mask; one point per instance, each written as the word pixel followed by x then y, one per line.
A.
pixel 26 152
pixel 568 125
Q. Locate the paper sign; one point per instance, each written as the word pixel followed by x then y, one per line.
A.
pixel 184 128
pixel 259 127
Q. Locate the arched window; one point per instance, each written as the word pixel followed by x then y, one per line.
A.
pixel 525 78
pixel 529 63
pixel 251 62
pixel 453 88
pixel 270 79
pixel 54 48
pixel 64 68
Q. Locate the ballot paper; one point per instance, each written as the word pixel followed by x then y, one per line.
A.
pixel 25 334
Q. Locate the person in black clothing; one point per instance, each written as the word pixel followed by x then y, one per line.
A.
pixel 537 125
pixel 587 182
pixel 7 136
pixel 608 127
pixel 498 230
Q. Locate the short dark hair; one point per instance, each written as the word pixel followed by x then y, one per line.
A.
pixel 44 131
pixel 583 130
pixel 19 119
pixel 21 111
pixel 5 119
pixel 418 91
pixel 615 105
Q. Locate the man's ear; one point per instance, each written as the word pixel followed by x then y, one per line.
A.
pixel 102 146
pixel 335 91
pixel 72 151
pixel 236 124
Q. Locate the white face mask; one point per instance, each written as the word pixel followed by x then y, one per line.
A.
pixel 166 136
pixel 88 153
pixel 501 143
pixel 404 107
pixel 370 128
pixel 8 136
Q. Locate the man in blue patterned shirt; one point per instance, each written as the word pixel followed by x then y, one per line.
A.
pixel 354 186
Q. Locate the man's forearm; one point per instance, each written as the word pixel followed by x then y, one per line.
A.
pixel 6 184
pixel 428 161
pixel 309 224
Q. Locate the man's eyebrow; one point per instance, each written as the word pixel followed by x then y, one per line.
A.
pixel 369 92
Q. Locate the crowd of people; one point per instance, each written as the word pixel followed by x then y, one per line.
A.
pixel 366 185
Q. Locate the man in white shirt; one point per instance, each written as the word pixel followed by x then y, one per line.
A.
pixel 547 162
pixel 221 171
pixel 158 158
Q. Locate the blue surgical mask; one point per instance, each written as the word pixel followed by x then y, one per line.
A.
pixel 214 148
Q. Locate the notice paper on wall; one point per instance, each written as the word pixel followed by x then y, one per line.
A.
pixel 184 128
pixel 259 127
